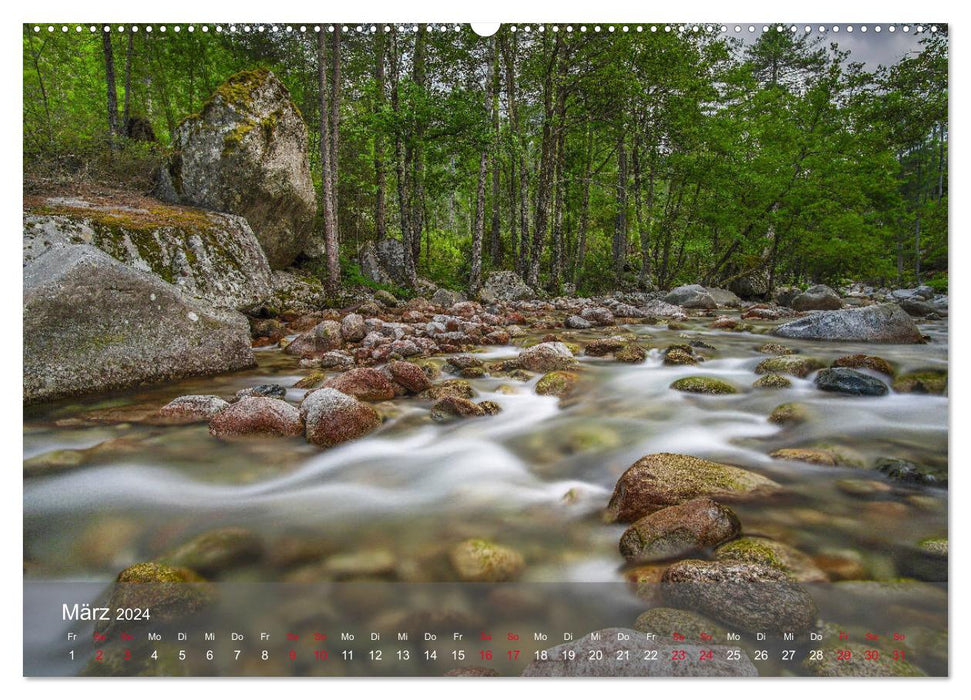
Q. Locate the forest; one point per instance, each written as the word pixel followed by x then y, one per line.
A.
pixel 588 158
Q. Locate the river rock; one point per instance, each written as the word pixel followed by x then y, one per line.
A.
pixel 215 257
pixel 745 596
pixel 843 380
pixel 601 654
pixel 679 530
pixel 925 381
pixel 577 323
pixel 791 413
pixel 364 383
pixel 484 561
pixel 691 296
pixel 703 385
pixel 920 309
pixel 94 324
pixel 806 454
pixel 559 383
pixel 408 375
pixel 506 285
pixel 546 357
pixel 332 417
pixel 661 480
pixel 795 365
pixel 632 353
pixel 724 297
pixel 449 408
pixel 322 338
pixel 352 327
pixel 257 416
pixel 783 296
pixel 194 408
pixel 605 346
pixel 877 364
pixel 817 298
pixel 762 550
pixel 598 315
pixel 273 391
pixel 772 381
pixel 883 323
pixel 909 472
pixel 213 552
pixel 451 387
pixel 162 589
pixel 246 153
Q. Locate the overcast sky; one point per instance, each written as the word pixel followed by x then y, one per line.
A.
pixel 871 48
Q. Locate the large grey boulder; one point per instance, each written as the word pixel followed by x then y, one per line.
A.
pixel 246 153
pixel 883 323
pixel 691 296
pixel 213 256
pixel 724 297
pixel 505 285
pixel 817 298
pixel 384 262
pixel 94 324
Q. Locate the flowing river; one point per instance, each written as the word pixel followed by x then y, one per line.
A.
pixel 535 477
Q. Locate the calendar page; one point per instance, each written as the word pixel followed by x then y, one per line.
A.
pixel 436 349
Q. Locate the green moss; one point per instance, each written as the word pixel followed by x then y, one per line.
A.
pixel 772 381
pixel 753 550
pixel 238 89
pixel 557 383
pixel 925 381
pixel 790 413
pixel 703 385
pixel 797 366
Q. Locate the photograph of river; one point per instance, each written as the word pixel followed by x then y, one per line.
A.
pixel 431 349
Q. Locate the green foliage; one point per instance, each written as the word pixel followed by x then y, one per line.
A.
pixel 782 157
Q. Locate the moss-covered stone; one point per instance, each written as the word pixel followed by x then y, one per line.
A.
pixel 450 387
pixel 790 413
pixel 772 381
pixel 631 353
pixel 559 383
pixel 926 381
pixel 660 480
pixel 796 365
pixel 776 349
pixel 703 385
pixel 872 362
pixel 803 454
pixel 679 356
pixel 213 552
pixel 668 623
pixel 762 550
pixel 311 381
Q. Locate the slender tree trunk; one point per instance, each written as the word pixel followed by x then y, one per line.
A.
pixel 399 156
pixel 546 164
pixel 380 208
pixel 646 229
pixel 556 271
pixel 519 150
pixel 35 55
pixel 620 222
pixel 112 90
pixel 584 206
pixel 327 200
pixel 478 228
pixel 417 151
pixel 513 195
pixel 129 53
pixel 335 121
pixel 495 244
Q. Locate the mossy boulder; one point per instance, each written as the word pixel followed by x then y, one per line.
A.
pixel 604 346
pixel 483 561
pixel 246 153
pixel 171 593
pixel 745 596
pixel 762 550
pixel 213 256
pixel 559 383
pixel 703 385
pixel 660 480
pixel 93 324
pixel 776 349
pixel 678 355
pixel 925 381
pixel 679 530
pixel 772 381
pixel 796 365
